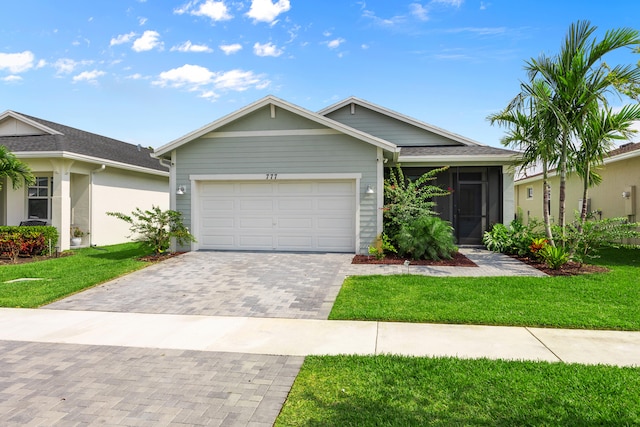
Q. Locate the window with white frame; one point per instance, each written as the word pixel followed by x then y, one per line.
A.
pixel 529 192
pixel 39 198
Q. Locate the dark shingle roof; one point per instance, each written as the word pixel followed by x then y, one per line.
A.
pixel 80 142
pixel 632 146
pixel 455 150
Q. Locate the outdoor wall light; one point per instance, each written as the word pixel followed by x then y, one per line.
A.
pixel 370 190
pixel 181 190
pixel 626 194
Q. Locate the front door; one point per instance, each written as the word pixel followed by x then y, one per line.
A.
pixel 470 212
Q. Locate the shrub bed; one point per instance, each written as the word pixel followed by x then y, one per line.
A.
pixel 27 241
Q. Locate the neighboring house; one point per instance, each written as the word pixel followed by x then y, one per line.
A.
pixel 275 176
pixel 615 197
pixel 79 177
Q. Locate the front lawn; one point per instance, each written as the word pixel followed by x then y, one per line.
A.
pixel 594 301
pixel 402 391
pixel 60 277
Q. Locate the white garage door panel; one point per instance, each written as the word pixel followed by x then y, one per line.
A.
pixel 281 215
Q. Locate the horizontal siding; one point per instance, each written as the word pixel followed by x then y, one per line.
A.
pixel 282 155
pixel 388 128
pixel 261 120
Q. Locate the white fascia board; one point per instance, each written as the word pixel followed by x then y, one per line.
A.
pixel 378 142
pixel 401 117
pixel 275 177
pixel 622 156
pixel 28 121
pixel 88 159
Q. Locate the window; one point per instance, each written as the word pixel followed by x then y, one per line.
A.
pixel 39 198
pixel 529 192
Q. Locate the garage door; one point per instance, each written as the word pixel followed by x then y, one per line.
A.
pixel 277 215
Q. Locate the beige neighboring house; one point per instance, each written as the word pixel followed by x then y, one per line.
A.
pixel 79 177
pixel 616 196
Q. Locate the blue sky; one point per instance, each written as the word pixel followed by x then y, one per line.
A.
pixel 150 71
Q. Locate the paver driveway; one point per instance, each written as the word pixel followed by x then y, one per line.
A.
pixel 248 284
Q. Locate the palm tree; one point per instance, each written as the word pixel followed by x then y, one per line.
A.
pixel 533 130
pixel 579 81
pixel 601 127
pixel 16 171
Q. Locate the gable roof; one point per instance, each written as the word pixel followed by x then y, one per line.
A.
pixel 279 103
pixel 401 117
pixel 56 140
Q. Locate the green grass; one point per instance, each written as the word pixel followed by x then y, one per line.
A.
pixel 400 391
pixel 595 301
pixel 66 275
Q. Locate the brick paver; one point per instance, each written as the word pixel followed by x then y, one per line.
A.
pixel 249 284
pixel 67 384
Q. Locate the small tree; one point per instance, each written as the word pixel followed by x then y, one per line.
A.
pixel 15 170
pixel 155 228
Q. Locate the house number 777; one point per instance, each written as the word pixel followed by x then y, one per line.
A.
pixel 272 176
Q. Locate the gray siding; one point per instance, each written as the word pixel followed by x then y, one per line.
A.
pixel 388 128
pixel 261 120
pixel 288 154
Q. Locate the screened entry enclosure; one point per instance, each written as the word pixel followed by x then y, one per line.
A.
pixel 475 202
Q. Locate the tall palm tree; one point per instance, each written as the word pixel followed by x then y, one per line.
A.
pixel 532 129
pixel 600 128
pixel 579 80
pixel 16 171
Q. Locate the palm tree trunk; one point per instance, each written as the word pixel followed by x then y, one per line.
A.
pixel 545 206
pixel 563 183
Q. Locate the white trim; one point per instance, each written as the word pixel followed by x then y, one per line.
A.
pixel 272 100
pixel 84 158
pixel 277 177
pixel 380 192
pixel 28 121
pixel 259 133
pixel 398 116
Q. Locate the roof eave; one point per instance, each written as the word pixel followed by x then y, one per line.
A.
pixel 18 116
pixel 325 121
pixel 89 159
pixel 399 116
pixel 502 159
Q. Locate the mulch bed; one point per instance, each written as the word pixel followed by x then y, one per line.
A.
pixel 26 259
pixel 159 257
pixel 569 269
pixel 458 260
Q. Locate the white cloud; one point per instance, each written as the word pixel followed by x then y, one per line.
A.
pixel 454 3
pixel 419 11
pixel 12 79
pixel 195 78
pixel 214 10
pixel 17 62
pixel 266 11
pixel 68 65
pixel 41 63
pixel 88 76
pixel 148 41
pixel 190 47
pixel 334 44
pixel 122 38
pixel 383 22
pixel 136 76
pixel 229 49
pixel 142 21
pixel 267 49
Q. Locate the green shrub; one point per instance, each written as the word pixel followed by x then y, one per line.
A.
pixel 554 256
pixel 513 240
pixel 427 237
pixel 405 200
pixel 382 247
pixel 585 240
pixel 155 228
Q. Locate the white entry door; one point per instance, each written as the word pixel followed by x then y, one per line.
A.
pixel 310 216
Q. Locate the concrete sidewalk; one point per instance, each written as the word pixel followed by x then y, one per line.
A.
pixel 301 337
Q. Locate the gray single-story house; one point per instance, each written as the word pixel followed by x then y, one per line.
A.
pixel 274 176
pixel 80 176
